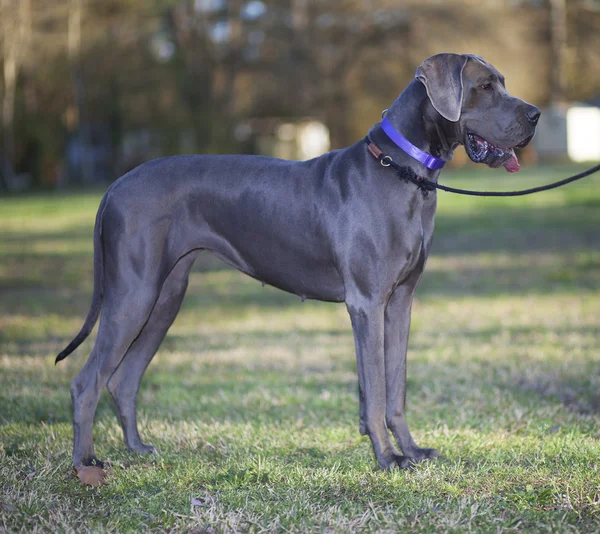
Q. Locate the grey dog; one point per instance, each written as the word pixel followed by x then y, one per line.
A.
pixel 338 228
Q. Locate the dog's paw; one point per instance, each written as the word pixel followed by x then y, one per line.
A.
pixel 387 464
pixel 405 462
pixel 142 448
pixel 424 454
pixel 414 456
pixel 417 456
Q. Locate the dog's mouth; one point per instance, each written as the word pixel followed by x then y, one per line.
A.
pixel 482 151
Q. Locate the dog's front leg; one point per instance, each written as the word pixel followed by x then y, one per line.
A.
pixel 397 326
pixel 368 326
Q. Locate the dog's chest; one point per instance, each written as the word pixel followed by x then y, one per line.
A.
pixel 414 234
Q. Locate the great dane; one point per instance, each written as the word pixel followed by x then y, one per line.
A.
pixel 341 228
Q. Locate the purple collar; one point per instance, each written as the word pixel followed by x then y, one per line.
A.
pixel 431 162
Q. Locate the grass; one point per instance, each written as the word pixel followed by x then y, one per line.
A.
pixel 252 399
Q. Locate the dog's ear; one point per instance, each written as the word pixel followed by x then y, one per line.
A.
pixel 442 77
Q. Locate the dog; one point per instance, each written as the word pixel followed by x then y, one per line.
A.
pixel 341 228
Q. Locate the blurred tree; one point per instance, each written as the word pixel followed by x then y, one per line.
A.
pixel 16 29
pixel 558 39
pixel 76 8
pixel 92 87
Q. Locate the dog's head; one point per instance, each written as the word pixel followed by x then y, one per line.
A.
pixel 468 91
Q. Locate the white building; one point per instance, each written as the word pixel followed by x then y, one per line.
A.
pixel 570 131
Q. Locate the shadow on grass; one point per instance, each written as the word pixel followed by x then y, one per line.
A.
pixel 508 229
pixel 272 398
pixel 573 386
pixel 280 392
pixel 514 334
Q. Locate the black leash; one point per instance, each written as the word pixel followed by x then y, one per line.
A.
pixel 425 185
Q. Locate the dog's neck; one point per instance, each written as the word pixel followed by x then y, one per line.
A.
pixel 416 119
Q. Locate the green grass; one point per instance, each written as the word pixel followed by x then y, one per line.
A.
pixel 252 400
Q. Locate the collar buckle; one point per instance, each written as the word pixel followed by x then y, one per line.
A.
pixel 386 161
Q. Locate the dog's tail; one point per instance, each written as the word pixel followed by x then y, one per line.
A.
pixel 98 294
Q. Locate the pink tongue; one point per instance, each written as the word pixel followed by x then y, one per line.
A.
pixel 512 165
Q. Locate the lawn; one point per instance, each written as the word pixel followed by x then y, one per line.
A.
pixel 252 400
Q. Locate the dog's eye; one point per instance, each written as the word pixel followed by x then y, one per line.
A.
pixel 486 86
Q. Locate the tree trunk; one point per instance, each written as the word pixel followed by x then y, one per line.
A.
pixel 8 99
pixel 83 128
pixel 16 28
pixel 558 32
pixel 197 69
pixel 336 119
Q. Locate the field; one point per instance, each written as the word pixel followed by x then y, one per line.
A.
pixel 252 400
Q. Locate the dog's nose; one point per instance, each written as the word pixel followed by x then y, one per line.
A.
pixel 533 114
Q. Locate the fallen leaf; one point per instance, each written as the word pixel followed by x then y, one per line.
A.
pixel 197 502
pixel 91 475
pixel 201 501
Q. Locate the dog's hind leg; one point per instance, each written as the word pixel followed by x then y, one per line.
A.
pixel 120 324
pixel 125 381
pixel 131 290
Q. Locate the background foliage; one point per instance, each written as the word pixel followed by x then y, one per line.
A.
pixel 79 76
